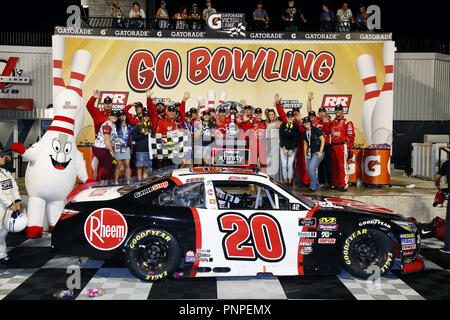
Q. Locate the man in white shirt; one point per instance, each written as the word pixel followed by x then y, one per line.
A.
pixel 208 11
pixel 344 17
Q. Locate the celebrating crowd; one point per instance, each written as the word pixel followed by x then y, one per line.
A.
pixel 285 145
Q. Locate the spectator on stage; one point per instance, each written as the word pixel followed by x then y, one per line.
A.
pixel 206 134
pixel 291 16
pixel 103 147
pixel 168 125
pixel 221 123
pixel 327 19
pixel 289 133
pixel 208 11
pixel 321 122
pixel 361 18
pixel 195 16
pixel 162 15
pixel 443 171
pixel 300 166
pixel 260 17
pixel 272 144
pixel 99 115
pixel 141 133
pixel 117 15
pixel 188 126
pixel 344 18
pixel 122 147
pixel 314 143
pixel 138 16
pixel 181 17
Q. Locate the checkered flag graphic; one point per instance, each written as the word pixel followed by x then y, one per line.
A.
pixel 237 30
pixel 168 146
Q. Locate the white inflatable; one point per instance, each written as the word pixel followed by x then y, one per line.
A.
pixel 54 161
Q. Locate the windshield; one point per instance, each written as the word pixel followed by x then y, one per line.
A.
pixel 291 191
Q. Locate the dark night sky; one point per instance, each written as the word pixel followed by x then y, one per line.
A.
pixel 426 20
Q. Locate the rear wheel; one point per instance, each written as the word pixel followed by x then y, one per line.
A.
pixel 365 248
pixel 152 254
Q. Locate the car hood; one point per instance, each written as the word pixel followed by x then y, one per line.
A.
pixel 354 206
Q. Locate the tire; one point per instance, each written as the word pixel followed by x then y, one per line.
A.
pixel 364 248
pixel 152 254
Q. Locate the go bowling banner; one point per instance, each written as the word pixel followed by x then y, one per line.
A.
pixel 253 70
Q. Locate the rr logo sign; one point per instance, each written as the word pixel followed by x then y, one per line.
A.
pixel 119 99
pixel 332 100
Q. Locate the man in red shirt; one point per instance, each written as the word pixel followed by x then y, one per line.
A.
pixel 342 135
pixel 99 115
pixel 301 163
pixel 254 128
pixel 168 125
pixel 158 112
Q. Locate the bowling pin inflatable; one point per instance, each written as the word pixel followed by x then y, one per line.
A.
pixel 382 115
pixel 368 73
pixel 222 97
pixel 54 161
pixel 211 99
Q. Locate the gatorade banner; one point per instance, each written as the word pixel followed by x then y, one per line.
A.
pixel 355 74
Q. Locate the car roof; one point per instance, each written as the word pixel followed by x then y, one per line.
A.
pixel 217 171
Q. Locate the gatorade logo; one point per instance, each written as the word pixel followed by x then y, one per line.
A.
pixel 372 166
pixel 105 229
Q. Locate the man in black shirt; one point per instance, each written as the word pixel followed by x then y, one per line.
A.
pixel 291 16
pixel 444 171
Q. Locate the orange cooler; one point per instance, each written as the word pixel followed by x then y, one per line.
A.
pixel 354 166
pixel 376 167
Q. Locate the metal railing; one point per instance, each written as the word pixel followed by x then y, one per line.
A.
pixel 138 23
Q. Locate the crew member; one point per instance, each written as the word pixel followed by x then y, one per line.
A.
pixel 254 129
pixel 166 126
pixel 444 170
pixel 9 198
pixel 342 135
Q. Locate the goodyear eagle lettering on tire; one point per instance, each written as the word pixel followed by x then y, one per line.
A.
pixel 367 247
pixel 152 254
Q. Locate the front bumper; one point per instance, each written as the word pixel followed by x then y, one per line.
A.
pixel 416 266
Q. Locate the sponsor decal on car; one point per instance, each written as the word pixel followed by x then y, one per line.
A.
pixel 305 242
pixel 296 207
pixel 308 234
pixel 98 192
pixel 327 220
pixel 328 204
pixel 210 192
pixel 190 180
pixel 307 222
pixel 148 190
pixel 306 250
pixel 374 222
pixel 408 253
pixel 190 256
pixel 408 241
pixel 145 234
pixel 327 241
pixel 105 229
pixel 327 227
pixel 325 234
pixel 409 247
pixel 408 261
pixel 407 236
pixel 237 178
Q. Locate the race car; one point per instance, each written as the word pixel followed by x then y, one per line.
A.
pixel 211 221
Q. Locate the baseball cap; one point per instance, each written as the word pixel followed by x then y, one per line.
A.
pixel 258 110
pixel 290 114
pixel 188 115
pixel 171 109
pixel 107 100
pixel 121 113
pixel 247 107
pixel 338 107
pixel 294 109
pixel 114 113
pixel 221 109
pixel 160 104
pixel 233 108
pixel 306 119
pixel 193 110
pixel 145 113
pixel 322 109
pixel 312 114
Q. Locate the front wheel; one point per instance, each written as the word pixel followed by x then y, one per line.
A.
pixel 152 254
pixel 365 248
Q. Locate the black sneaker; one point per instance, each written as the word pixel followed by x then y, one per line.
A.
pixel 5 262
pixel 342 189
pixel 444 251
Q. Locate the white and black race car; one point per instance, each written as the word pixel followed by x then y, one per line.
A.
pixel 232 222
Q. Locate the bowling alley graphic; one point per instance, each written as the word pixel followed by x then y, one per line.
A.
pixel 54 162
pixel 377 115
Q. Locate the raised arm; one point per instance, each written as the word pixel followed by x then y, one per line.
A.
pixel 280 110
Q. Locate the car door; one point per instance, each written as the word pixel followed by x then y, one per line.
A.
pixel 250 227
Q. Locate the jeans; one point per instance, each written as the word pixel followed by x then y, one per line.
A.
pixel 311 166
pixel 447 227
pixel 287 164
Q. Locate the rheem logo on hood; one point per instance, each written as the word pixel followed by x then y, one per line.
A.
pixel 105 229
pixel 332 100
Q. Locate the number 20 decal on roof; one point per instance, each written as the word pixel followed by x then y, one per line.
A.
pixel 258 236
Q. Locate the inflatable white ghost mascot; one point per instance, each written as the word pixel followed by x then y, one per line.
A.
pixel 54 161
